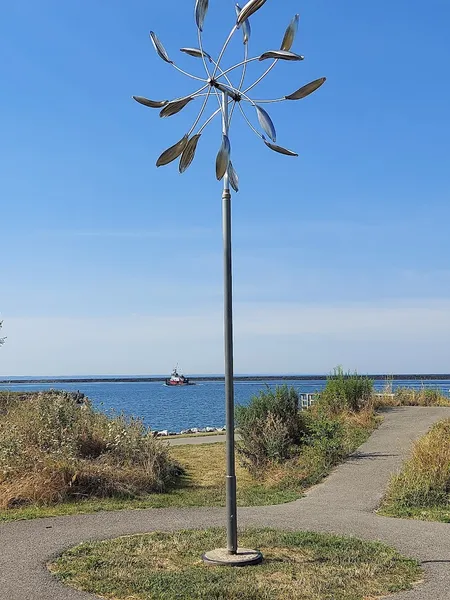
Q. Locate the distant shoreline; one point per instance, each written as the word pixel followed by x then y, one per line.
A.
pixel 62 380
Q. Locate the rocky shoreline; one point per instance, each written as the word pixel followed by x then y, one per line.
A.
pixel 191 431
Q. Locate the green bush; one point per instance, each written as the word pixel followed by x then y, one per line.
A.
pixel 326 435
pixel 53 449
pixel 270 427
pixel 345 391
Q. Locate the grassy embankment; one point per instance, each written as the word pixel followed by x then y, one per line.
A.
pixel 59 458
pixel 167 566
pixel 422 489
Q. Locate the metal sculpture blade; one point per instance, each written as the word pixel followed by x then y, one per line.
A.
pixel 172 153
pixel 290 34
pixel 246 29
pixel 196 53
pixel 279 149
pixel 281 55
pixel 230 91
pixel 160 50
pixel 150 103
pixel 223 158
pixel 248 10
pixel 185 149
pixel 306 89
pixel 266 123
pixel 188 153
pixel 233 177
pixel 174 107
pixel 201 8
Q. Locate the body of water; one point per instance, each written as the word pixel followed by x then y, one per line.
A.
pixel 177 408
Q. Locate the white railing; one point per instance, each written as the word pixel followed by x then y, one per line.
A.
pixel 306 400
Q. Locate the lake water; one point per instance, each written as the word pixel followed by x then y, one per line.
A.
pixel 200 405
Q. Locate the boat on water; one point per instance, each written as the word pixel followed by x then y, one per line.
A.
pixel 178 380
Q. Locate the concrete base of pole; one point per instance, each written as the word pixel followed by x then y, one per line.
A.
pixel 243 558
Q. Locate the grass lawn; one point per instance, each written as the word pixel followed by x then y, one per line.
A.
pixel 168 566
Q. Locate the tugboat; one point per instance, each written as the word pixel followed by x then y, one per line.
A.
pixel 178 380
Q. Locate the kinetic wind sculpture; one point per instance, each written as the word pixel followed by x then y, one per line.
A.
pixel 187 145
pixel 218 83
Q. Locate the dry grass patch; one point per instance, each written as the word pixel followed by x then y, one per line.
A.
pixel 204 465
pixel 54 450
pixel 168 566
pixel 422 489
pixel 412 397
pixel 203 481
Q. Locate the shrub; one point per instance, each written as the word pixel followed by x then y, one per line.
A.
pixel 53 449
pixel 270 426
pixel 288 449
pixel 425 478
pixel 327 436
pixel 345 391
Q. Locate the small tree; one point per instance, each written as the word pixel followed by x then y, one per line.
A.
pixel 2 339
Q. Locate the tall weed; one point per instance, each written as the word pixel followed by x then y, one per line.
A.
pixel 425 478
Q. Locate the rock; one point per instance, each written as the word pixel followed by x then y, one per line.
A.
pixel 163 433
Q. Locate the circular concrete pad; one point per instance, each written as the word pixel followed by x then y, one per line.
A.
pixel 243 557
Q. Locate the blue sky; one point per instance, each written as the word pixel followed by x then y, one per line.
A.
pixel 109 265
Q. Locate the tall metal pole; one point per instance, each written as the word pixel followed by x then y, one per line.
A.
pixel 185 148
pixel 228 329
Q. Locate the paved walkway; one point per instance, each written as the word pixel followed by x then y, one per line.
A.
pixel 344 504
